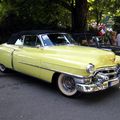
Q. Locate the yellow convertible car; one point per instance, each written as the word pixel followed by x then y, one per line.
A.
pixel 54 57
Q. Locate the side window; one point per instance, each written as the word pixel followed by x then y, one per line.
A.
pixel 32 41
pixel 38 42
pixel 29 40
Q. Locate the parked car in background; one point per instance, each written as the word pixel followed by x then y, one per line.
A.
pixel 54 57
pixel 91 40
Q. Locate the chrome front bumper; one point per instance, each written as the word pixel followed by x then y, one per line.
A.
pixel 88 88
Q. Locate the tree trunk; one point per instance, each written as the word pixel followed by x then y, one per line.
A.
pixel 79 16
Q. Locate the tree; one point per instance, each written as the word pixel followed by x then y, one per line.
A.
pixel 79 10
pixel 28 14
pixel 99 9
pixel 79 15
pixel 58 12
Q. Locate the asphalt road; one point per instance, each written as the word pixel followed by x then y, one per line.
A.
pixel 26 98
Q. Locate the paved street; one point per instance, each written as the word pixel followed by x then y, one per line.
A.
pixel 26 98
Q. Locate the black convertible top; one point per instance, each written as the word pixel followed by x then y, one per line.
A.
pixel 18 35
pixel 36 32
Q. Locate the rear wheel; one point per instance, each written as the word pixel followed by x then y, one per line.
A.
pixel 66 85
pixel 3 68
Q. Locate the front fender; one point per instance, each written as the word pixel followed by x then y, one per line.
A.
pixel 66 69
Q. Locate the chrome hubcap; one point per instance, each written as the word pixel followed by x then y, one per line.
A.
pixel 68 83
pixel 2 68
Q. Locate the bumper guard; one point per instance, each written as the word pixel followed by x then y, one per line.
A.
pixel 98 86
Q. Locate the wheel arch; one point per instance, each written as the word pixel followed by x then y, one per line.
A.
pixel 55 77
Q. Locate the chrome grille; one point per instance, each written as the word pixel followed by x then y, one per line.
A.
pixel 111 72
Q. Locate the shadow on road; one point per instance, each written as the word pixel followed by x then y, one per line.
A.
pixel 98 96
pixel 90 98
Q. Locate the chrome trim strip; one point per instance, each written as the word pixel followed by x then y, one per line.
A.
pixel 41 40
pixel 113 73
pixel 102 69
pixel 108 68
pixel 78 76
pixel 60 65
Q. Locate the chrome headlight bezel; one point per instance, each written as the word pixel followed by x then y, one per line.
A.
pixel 90 68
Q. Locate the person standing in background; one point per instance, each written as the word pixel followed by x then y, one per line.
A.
pixel 118 38
pixel 113 37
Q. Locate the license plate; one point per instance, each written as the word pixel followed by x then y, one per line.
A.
pixel 114 82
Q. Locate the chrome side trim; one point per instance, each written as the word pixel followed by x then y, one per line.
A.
pixel 114 73
pixel 78 76
pixel 60 65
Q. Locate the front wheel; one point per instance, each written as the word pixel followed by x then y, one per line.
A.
pixel 3 68
pixel 66 85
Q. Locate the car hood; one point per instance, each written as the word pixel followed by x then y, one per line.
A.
pixel 79 56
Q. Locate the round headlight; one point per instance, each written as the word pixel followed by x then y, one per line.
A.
pixel 90 68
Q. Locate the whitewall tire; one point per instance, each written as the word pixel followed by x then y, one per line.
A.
pixel 66 85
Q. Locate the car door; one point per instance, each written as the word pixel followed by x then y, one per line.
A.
pixel 27 58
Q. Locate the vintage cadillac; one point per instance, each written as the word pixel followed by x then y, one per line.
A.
pixel 54 57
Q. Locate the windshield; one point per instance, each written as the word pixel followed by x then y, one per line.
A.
pixel 57 39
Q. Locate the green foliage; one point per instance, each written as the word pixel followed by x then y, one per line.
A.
pixel 16 15
pixel 99 9
pixel 34 14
